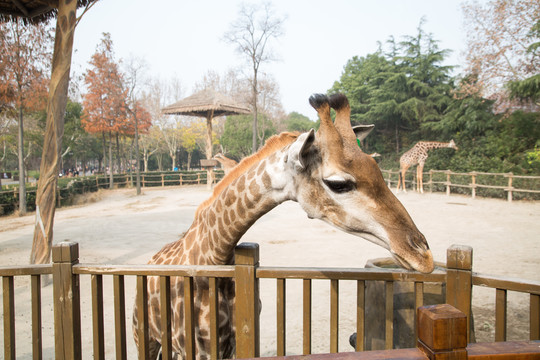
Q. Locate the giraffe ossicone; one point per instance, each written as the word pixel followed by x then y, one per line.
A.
pixel 327 174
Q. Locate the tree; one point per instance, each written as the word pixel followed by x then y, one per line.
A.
pixel 400 91
pixel 498 40
pixel 136 111
pixel 25 57
pixel 105 100
pixel 251 33
pixel 298 122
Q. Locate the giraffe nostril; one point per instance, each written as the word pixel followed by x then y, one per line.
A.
pixel 418 242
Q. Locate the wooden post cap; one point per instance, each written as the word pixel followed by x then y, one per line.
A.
pixel 442 327
pixel 246 254
pixel 459 257
pixel 65 251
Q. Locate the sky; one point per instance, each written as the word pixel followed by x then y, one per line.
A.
pixel 184 39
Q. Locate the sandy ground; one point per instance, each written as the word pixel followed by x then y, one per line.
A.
pixel 120 228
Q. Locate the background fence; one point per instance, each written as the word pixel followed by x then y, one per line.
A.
pixel 69 188
pixel 492 185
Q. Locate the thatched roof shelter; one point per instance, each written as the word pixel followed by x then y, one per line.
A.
pixel 32 11
pixel 205 101
pixel 208 104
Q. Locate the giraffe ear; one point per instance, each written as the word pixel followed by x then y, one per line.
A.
pixel 298 152
pixel 361 131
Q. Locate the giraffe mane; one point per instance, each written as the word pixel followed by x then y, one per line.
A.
pixel 272 145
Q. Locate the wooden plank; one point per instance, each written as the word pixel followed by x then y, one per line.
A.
pixel 165 314
pixel 389 315
pixel 307 316
pixel 334 316
pixel 41 269
pixel 156 270
pixel 37 339
pixel 9 317
pixel 214 318
pixel 247 300
pixel 418 302
pixel 360 314
pixel 66 293
pixel 348 274
pixel 511 350
pixel 281 317
pixel 142 317
pixel 120 317
pixel 508 283
pixel 500 314
pixel 534 331
pixel 97 316
pixel 189 318
pixel 459 280
pixel 401 354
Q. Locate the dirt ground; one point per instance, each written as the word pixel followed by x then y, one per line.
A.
pixel 118 227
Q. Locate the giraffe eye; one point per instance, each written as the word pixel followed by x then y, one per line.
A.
pixel 340 186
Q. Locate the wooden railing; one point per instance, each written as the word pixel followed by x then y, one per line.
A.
pixel 66 273
pixel 474 183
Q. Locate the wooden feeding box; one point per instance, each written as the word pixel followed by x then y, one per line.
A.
pixel 208 163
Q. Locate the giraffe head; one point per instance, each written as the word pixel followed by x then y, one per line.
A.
pixel 338 183
pixel 452 145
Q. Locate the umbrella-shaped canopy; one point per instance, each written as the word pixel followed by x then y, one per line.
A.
pixel 204 102
pixel 208 104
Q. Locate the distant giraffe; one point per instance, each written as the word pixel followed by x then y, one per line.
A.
pixel 226 163
pixel 418 155
pixel 332 180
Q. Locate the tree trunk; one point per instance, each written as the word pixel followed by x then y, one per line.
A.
pixel 397 138
pixel 111 177
pixel 189 161
pixel 118 158
pixel 104 147
pixel 137 156
pixel 22 175
pixel 209 171
pixel 52 143
pixel 254 94
pixel 145 158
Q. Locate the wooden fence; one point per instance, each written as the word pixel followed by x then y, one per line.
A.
pixel 82 185
pixel 458 278
pixel 473 183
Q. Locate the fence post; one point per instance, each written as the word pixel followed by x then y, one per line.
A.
pixel 181 178
pixel 143 181
pixel 510 175
pixel 448 182
pixel 247 300
pixel 473 184
pixel 162 180
pixel 198 178
pixel 459 282
pixel 67 311
pixel 431 181
pixel 442 332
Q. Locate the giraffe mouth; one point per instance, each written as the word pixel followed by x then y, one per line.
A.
pixel 401 261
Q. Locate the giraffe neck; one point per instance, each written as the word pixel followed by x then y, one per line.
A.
pixel 222 220
pixel 428 145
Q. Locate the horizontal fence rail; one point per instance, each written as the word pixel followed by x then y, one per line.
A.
pixel 66 192
pixel 473 183
pixel 457 278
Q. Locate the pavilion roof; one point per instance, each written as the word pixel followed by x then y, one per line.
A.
pixel 32 11
pixel 203 102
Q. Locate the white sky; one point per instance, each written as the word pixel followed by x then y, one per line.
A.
pixel 184 38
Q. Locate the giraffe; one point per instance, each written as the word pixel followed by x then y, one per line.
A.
pixel 418 155
pixel 226 163
pixel 327 174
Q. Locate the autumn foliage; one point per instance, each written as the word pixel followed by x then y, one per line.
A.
pixel 106 105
